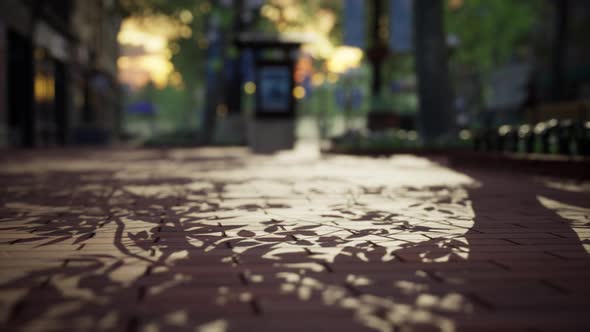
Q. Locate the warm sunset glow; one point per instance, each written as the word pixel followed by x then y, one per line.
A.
pixel 318 79
pixel 344 58
pixel 289 19
pixel 299 92
pixel 146 53
pixel 137 71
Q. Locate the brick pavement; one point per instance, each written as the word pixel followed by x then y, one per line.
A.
pixel 220 240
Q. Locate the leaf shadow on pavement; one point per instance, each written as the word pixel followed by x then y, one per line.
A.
pixel 93 250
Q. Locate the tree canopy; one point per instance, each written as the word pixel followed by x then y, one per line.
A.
pixel 489 33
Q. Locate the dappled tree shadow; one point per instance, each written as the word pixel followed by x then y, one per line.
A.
pixel 183 240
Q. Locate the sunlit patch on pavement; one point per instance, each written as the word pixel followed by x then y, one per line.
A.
pixel 577 216
pixel 109 238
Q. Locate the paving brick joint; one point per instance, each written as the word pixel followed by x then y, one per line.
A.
pixel 218 239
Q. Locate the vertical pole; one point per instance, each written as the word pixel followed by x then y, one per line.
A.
pixel 214 77
pixel 433 73
pixel 376 47
pixel 559 49
pixel 234 101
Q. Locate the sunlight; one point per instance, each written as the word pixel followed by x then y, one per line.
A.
pixel 290 20
pixel 145 54
pixel 576 215
pixel 571 185
pixel 344 58
pixel 219 325
pixel 235 207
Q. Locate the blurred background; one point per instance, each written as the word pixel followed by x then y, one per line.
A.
pixel 491 75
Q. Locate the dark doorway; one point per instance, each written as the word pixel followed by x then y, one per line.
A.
pixel 20 90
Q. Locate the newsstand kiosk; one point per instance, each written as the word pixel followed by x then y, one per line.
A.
pixel 272 126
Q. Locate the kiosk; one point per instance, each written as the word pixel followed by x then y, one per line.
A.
pixel 272 126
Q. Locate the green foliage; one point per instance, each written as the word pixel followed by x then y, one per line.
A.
pixel 169 105
pixel 171 108
pixel 176 106
pixel 491 31
pixel 310 16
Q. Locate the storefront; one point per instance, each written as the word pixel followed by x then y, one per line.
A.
pixel 50 86
pixel 58 69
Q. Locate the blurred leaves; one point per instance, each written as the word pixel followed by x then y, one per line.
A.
pixel 490 32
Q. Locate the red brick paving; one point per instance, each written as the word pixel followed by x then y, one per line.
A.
pixel 220 240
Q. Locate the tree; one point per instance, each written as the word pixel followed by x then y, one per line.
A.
pixel 432 70
pixel 491 32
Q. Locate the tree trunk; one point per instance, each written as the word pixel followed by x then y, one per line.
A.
pixel 434 86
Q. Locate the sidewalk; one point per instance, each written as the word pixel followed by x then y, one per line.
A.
pixel 221 240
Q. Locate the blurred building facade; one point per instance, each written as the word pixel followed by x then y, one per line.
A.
pixel 58 68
